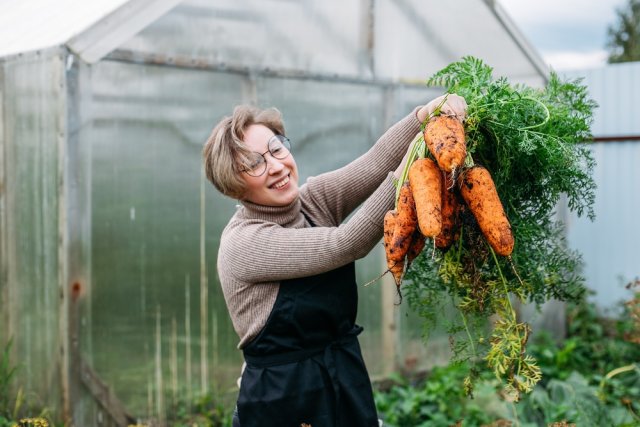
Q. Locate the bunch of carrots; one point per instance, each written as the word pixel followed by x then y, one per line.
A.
pixel 432 195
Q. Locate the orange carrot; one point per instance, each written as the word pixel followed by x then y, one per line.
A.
pixel 479 192
pixel 417 244
pixel 444 136
pixel 450 214
pixel 426 179
pixel 406 222
pixel 395 264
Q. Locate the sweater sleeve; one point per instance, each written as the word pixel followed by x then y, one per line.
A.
pixel 258 251
pixel 338 193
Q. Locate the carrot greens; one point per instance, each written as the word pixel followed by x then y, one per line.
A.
pixel 533 141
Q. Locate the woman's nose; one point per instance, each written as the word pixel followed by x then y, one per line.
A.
pixel 274 165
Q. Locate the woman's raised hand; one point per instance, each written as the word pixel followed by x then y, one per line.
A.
pixel 454 105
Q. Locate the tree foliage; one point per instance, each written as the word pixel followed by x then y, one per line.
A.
pixel 624 36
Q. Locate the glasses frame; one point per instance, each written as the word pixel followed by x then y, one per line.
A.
pixel 286 142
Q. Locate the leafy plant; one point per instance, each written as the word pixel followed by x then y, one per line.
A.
pixel 598 350
pixel 16 407
pixel 573 399
pixel 631 330
pixel 531 140
pixel 9 404
pixel 590 379
pixel 438 401
pixel 595 345
pixel 206 411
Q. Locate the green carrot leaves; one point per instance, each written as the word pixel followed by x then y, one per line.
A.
pixel 534 142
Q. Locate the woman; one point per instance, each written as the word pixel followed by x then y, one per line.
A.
pixel 286 266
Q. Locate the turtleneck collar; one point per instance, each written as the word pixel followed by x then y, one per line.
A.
pixel 288 215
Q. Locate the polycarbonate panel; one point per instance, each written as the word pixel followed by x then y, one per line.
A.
pixel 388 39
pixel 415 38
pixel 301 35
pixel 33 123
pixel 156 301
pixel 616 89
pixel 609 245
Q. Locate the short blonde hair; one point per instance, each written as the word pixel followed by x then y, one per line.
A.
pixel 224 150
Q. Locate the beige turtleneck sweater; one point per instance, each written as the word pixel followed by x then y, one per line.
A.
pixel 262 245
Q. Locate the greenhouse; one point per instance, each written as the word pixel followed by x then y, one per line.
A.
pixel 109 230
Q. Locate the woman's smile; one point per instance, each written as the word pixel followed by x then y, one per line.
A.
pixel 279 185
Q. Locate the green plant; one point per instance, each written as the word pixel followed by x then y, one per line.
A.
pixel 631 329
pixel 531 141
pixel 598 350
pixel 438 401
pixel 575 400
pixel 595 345
pixel 16 407
pixel 589 379
pixel 206 411
pixel 9 404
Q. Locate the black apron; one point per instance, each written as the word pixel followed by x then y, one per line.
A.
pixel 305 366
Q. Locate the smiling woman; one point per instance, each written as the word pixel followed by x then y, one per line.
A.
pixel 286 266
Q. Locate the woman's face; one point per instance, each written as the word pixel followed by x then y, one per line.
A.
pixel 278 185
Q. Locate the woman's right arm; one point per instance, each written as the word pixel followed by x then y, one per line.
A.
pixel 257 251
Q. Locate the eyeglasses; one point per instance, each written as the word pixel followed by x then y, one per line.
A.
pixel 255 164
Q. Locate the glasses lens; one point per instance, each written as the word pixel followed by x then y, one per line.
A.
pixel 254 164
pixel 279 146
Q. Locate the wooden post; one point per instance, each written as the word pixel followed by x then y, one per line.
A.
pixel 389 294
pixel 103 394
pixel 67 311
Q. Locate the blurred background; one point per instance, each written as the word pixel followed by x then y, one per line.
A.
pixel 110 302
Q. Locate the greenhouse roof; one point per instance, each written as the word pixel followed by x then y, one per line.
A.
pixel 396 40
pixel 90 28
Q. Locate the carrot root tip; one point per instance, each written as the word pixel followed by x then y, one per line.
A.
pixel 454 173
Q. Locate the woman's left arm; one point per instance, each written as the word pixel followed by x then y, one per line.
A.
pixel 338 193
